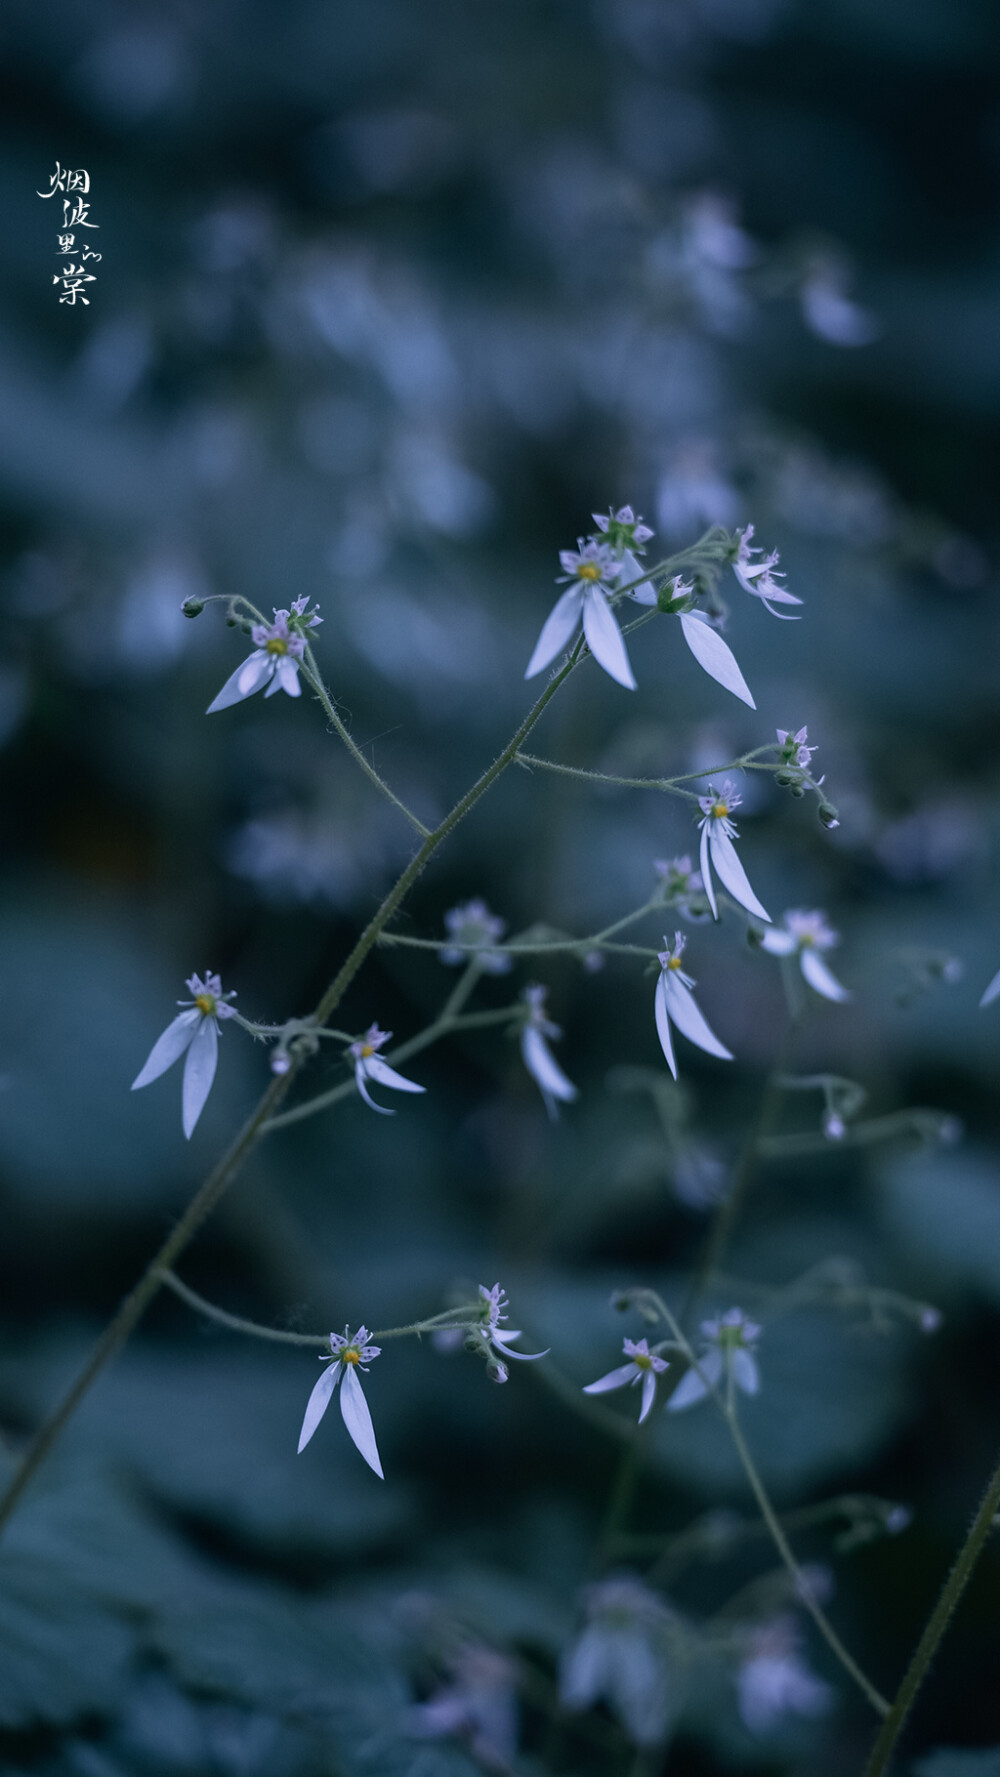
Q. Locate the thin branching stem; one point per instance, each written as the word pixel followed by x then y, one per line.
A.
pixel 312 674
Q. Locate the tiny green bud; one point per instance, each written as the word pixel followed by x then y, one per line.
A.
pixel 782 778
pixel 193 607
pixel 828 815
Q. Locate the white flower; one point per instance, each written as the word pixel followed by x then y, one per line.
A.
pixel 805 934
pixel 758 578
pixel 675 1004
pixel 643 1366
pixel 623 528
pixel 368 1065
pixel 538 1058
pixel 625 1655
pixel 714 656
pixel 496 1340
pixel 278 649
pixel 588 567
pixel 479 1707
pixel 773 1680
pixel 347 1357
pixel 829 311
pixel 728 1351
pixel 992 992
pixel 682 887
pixel 197 1031
pixel 719 853
pixel 794 750
pixel 472 928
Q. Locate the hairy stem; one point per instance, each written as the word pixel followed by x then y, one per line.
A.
pixel 937 1623
pixel 312 674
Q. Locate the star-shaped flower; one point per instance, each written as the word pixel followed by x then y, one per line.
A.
pixel 472 929
pixel 196 1031
pixel 643 1366
pixel 592 569
pixel 347 1357
pixel 719 853
pixel 805 934
pixel 369 1065
pixel 278 650
pixel 675 1004
pixel 759 579
pixel 728 1351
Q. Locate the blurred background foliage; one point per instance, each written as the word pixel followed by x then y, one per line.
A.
pixel 391 298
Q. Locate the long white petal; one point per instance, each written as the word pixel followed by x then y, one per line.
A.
pixel 604 638
pixel 648 1394
pixel 358 1420
pixel 248 678
pixel 786 616
pixel 556 630
pixel 818 976
pixel 745 1372
pixel 387 1076
pixel 714 656
pixel 779 943
pixel 691 1388
pixel 359 1080
pixel 731 872
pixel 613 1379
pixel 318 1402
pixel 992 991
pixel 543 1067
pixel 706 871
pixel 663 1024
pixel 199 1072
pixel 167 1048
pixel 288 676
pixel 690 1020
pixel 631 569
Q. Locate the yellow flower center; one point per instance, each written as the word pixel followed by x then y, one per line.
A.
pixel 806 938
pixel 367 1049
pixel 719 809
pixel 276 645
pixel 588 570
pixel 674 962
pixel 642 1362
pixel 205 1003
pixel 351 1356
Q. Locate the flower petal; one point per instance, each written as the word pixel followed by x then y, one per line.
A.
pixel 706 872
pixel 689 1389
pixel 631 569
pixel 714 656
pixel 648 1394
pixel 604 638
pixel 690 1019
pixel 613 1379
pixel 745 1372
pixel 818 976
pixel 288 676
pixel 992 991
pixel 199 1072
pixel 556 630
pixel 167 1048
pixel 544 1069
pixel 318 1402
pixel 358 1420
pixel 663 1024
pixel 779 943
pixel 731 872
pixel 247 679
pixel 379 1070
pixel 359 1080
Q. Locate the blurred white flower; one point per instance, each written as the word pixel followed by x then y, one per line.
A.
pixel 538 1057
pixel 592 567
pixel 675 1004
pixel 643 1366
pixel 369 1065
pixel 719 853
pixel 347 1357
pixel 472 928
pixel 624 1657
pixel 805 935
pixel 278 650
pixel 728 1350
pixel 773 1680
pixel 758 577
pixel 196 1031
pixel 829 312
pixel 682 887
pixel 992 992
pixel 479 1707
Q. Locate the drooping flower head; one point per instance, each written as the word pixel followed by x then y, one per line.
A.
pixel 538 1057
pixel 804 934
pixel 625 1655
pixel 773 1680
pixel 758 577
pixel 197 1032
pixel 643 1366
pixel 278 651
pixel 369 1065
pixel 495 1341
pixel 346 1357
pixel 675 1004
pixel 794 747
pixel 719 852
pixel 472 930
pixel 728 1350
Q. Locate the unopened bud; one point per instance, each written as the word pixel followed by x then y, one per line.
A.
pixel 834 1127
pixel 496 1371
pixel 193 607
pixel 828 815
pixel 930 1318
pixel 281 1061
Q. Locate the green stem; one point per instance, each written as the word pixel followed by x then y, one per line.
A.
pixel 467 1316
pixel 667 784
pixel 312 674
pixel 937 1623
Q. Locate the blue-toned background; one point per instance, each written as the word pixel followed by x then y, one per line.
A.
pixel 391 298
